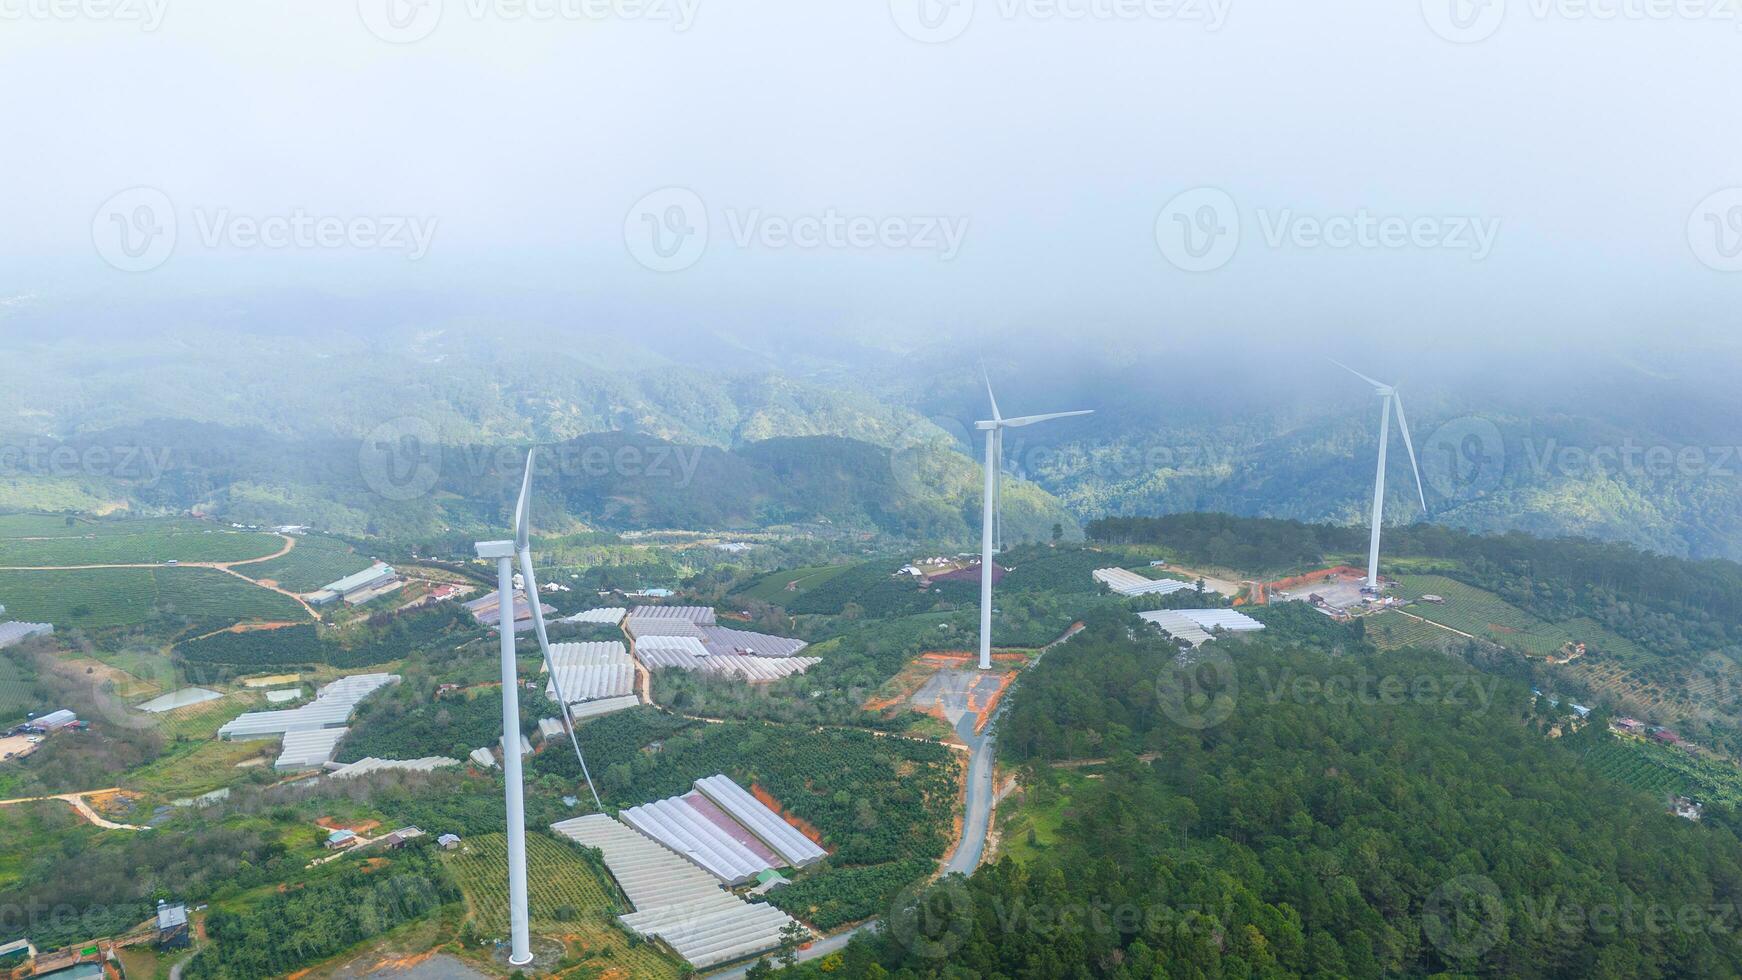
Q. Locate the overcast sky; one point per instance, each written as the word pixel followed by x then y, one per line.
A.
pixel 1490 172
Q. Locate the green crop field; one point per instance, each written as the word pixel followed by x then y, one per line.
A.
pixel 772 588
pixel 565 896
pixel 1483 614
pixel 102 597
pixel 1625 761
pixel 314 562
pixel 1392 630
pixel 32 540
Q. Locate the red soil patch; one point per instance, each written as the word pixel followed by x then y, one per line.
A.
pixel 1290 584
pixel 802 826
pixel 359 828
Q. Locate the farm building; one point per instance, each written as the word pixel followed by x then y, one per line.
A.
pixel 644 626
pixel 401 837
pixel 172 926
pixel 696 829
pixel 12 634
pixel 1129 583
pixel 549 728
pixel 794 848
pixel 483 758
pixel 54 721
pixel 340 838
pixel 487 610
pixel 603 706
pixel 690 653
pixel 448 842
pixel 676 901
pixel 370 583
pixel 525 745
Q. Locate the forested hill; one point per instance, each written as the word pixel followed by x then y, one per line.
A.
pixel 1284 829
pixel 397 484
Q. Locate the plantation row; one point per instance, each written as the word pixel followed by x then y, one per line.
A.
pixel 107 597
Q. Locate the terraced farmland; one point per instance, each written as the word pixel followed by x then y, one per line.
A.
pixel 1468 609
pixel 103 597
pixel 567 899
pixel 1392 630
pixel 773 588
pixel 32 541
pixel 314 562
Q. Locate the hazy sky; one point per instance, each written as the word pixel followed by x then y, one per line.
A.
pixel 1518 168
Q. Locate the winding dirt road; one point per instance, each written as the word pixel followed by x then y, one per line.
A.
pixel 227 567
pixel 77 802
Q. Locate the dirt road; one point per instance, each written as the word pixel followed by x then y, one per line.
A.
pixel 227 567
pixel 77 802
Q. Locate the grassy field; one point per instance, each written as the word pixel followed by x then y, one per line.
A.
pixel 1392 630
pixel 1029 828
pixel 1483 614
pixel 566 897
pixel 773 588
pixel 314 562
pixel 37 540
pixel 102 597
pixel 192 768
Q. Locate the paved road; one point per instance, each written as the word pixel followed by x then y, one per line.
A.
pixel 978 812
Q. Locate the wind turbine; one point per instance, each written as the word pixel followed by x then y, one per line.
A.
pixel 1389 398
pixel 505 553
pixel 991 505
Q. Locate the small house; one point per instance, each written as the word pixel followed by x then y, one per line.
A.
pixel 341 839
pixel 172 926
pixel 448 842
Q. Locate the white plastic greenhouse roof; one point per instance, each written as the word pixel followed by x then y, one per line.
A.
pixel 331 708
pixel 677 825
pixel 309 749
pixel 603 706
pixel 590 671
pixel 721 640
pixel 1129 583
pixel 675 900
pixel 1177 625
pixel 793 847
pixel 179 699
pixel 641 627
pixel 1227 619
pixel 700 615
pixel 608 616
pixel 590 653
pixel 363 767
pixel 759 669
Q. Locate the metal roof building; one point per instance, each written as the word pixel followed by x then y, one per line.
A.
pixel 794 848
pixel 1129 583
pixel 721 640
pixel 331 708
pixel 675 900
pixel 309 749
pixel 60 718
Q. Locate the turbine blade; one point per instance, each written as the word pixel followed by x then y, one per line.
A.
pixel 1033 419
pixel 533 600
pixel 1363 377
pixel 989 396
pixel 1404 425
pixel 523 508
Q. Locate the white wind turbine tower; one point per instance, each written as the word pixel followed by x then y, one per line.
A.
pixel 505 553
pixel 991 506
pixel 1389 398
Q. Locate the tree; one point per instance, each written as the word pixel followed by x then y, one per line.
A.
pixel 1058 532
pixel 792 936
